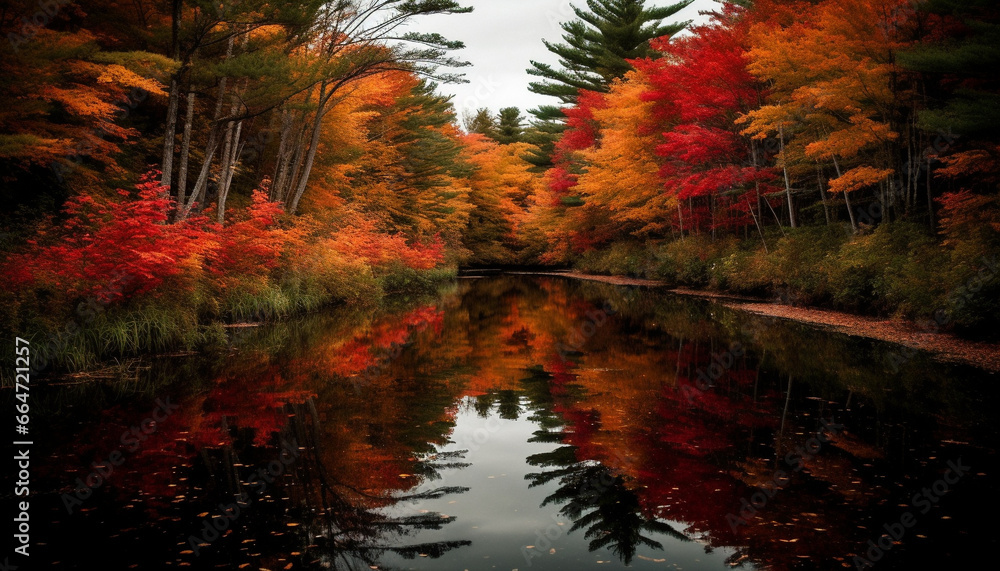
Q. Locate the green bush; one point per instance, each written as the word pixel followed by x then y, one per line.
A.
pixel 744 270
pixel 897 268
pixel 332 282
pixel 619 259
pixel 800 261
pixel 972 298
pixel 691 261
pixel 254 300
pixel 401 279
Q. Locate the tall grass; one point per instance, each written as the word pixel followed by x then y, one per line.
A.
pixel 193 321
pixel 400 279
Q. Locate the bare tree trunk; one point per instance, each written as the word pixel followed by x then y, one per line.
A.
pixel 233 146
pixel 226 175
pixel 297 160
pixel 296 155
pixel 759 231
pixel 198 192
pixel 847 199
pixel 170 131
pixel 788 186
pixel 182 169
pixel 756 183
pixel 711 208
pixel 910 185
pixel 169 134
pixel 850 211
pixel 680 218
pixel 317 129
pixel 697 228
pixel 294 152
pixel 225 165
pixel 776 217
pixel 884 192
pixel 822 194
pixel 281 165
pixel 930 197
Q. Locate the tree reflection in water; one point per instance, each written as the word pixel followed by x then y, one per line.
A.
pixel 638 440
pixel 593 497
pixel 320 520
pixel 596 499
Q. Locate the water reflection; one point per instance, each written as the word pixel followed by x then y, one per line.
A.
pixel 598 502
pixel 516 422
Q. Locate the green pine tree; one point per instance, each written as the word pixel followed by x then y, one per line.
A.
pixel 510 126
pixel 595 51
pixel 481 122
pixel 598 44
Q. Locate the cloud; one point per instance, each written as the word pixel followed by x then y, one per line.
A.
pixel 501 39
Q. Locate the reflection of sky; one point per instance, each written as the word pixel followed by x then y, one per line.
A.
pixel 500 515
pixel 503 36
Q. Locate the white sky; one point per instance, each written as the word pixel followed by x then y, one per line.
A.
pixel 502 37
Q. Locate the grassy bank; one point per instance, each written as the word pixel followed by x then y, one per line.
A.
pixel 96 335
pixel 895 269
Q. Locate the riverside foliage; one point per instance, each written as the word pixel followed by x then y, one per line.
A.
pixel 176 165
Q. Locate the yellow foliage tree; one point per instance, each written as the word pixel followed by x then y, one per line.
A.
pixel 621 173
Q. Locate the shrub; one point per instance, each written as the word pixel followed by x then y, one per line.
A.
pixel 800 261
pixel 895 268
pixel 158 285
pixel 110 251
pixel 744 269
pixel 620 258
pixel 399 278
pixel 690 261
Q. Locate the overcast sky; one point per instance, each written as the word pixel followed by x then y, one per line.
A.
pixel 502 37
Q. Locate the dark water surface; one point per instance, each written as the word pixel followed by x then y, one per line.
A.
pixel 520 422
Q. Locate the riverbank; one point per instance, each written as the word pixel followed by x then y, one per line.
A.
pixel 614 280
pixel 945 346
pixel 111 341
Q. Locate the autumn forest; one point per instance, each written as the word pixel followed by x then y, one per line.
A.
pixel 191 162
pixel 278 298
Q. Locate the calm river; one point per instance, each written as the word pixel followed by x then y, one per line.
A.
pixel 523 422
